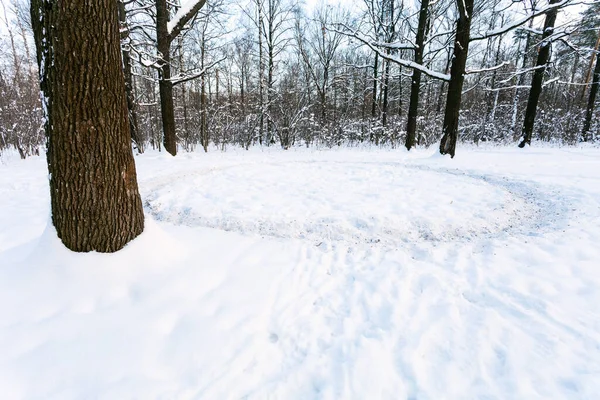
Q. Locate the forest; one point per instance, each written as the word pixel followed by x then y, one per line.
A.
pixel 381 72
pixel 277 199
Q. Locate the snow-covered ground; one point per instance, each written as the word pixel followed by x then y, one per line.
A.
pixel 339 274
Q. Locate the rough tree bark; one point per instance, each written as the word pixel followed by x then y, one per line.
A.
pixel 95 200
pixel 457 77
pixel 538 76
pixel 415 85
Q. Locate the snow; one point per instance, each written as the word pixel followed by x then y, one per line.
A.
pixel 184 9
pixel 349 273
pixel 398 60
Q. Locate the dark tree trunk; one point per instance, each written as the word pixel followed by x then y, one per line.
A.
pixel 131 105
pixel 457 77
pixel 165 85
pixel 591 101
pixel 203 103
pixel 589 69
pixel 95 201
pixel 415 85
pixel 386 86
pixel 443 84
pixel 521 79
pixel 538 77
pixel 261 82
pixel 374 101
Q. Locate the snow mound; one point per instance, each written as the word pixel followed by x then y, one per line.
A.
pixel 351 202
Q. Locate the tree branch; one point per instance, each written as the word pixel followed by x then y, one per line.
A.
pixel 184 16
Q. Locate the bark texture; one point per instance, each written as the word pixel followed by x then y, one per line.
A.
pixel 457 77
pixel 95 200
pixel 538 76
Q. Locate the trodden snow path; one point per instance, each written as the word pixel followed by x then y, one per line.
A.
pixel 346 274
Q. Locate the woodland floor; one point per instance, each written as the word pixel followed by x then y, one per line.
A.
pixel 333 274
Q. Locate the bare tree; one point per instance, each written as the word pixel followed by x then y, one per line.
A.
pixel 589 112
pixel 127 70
pixel 415 83
pixel 318 45
pixel 538 75
pixel 166 32
pixel 457 76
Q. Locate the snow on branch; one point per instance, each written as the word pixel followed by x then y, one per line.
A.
pixel 478 71
pixel 190 75
pixel 517 23
pixel 405 63
pixel 520 72
pixel 549 82
pixel 507 88
pixel 187 11
pixel 395 45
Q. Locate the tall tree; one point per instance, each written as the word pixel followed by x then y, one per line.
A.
pixel 589 112
pixel 457 77
pixel 524 63
pixel 390 35
pixel 95 200
pixel 589 37
pixel 127 69
pixel 322 44
pixel 415 84
pixel 166 32
pixel 538 75
pixel 274 28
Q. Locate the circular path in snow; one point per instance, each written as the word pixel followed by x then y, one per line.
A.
pixel 340 201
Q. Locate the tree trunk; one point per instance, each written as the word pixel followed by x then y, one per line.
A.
pixel 186 133
pixel 374 101
pixel 203 125
pixel 386 86
pixel 492 98
pixel 165 86
pixel 131 105
pixel 457 77
pixel 415 85
pixel 261 82
pixel 538 77
pixel 521 79
pixel 589 70
pixel 95 201
pixel 270 89
pixel 591 101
